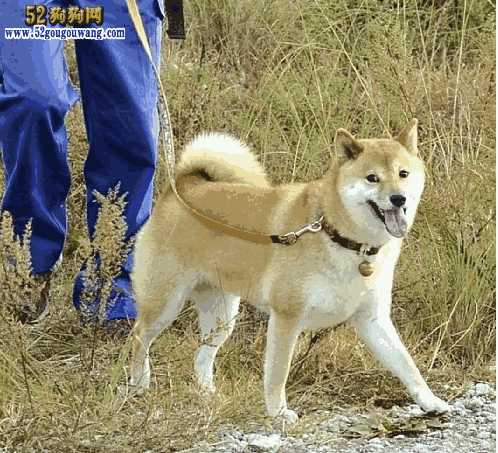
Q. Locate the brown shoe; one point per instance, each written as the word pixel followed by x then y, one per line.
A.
pixel 118 328
pixel 37 312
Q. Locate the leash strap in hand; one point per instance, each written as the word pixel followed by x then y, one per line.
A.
pixel 176 22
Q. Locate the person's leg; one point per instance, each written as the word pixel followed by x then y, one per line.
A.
pixel 35 95
pixel 119 99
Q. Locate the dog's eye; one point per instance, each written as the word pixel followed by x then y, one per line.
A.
pixel 372 178
pixel 403 174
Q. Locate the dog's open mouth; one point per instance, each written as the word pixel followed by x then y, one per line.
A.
pixel 393 219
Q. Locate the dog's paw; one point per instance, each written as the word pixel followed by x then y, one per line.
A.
pixel 431 403
pixel 138 387
pixel 289 416
pixel 137 390
pixel 124 391
pixel 207 391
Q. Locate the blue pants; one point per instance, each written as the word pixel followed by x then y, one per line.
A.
pixel 119 97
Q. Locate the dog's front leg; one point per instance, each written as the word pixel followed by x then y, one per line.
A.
pixel 380 335
pixel 281 339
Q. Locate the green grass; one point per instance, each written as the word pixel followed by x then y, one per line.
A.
pixel 284 76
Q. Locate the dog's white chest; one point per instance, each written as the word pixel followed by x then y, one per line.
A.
pixel 334 294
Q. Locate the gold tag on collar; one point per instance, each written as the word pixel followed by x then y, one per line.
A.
pixel 366 269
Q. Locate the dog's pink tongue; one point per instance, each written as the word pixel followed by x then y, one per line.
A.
pixel 396 222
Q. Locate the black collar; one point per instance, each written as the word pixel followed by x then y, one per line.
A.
pixel 335 236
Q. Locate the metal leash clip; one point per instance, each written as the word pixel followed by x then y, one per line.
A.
pixel 364 249
pixel 292 237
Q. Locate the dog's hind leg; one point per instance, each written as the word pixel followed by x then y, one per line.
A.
pixel 157 310
pixel 217 315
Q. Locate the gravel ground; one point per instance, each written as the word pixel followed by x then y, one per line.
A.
pixel 470 428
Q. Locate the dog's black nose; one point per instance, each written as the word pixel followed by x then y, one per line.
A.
pixel 398 200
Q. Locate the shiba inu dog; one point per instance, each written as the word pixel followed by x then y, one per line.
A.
pixel 340 269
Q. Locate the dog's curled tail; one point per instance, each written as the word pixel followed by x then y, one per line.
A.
pixel 221 157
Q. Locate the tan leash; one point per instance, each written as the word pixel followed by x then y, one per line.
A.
pixel 169 151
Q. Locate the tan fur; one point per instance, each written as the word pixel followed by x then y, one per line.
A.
pixel 314 283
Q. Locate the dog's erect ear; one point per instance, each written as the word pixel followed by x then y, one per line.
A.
pixel 346 145
pixel 408 137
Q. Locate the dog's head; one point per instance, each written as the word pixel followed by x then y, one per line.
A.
pixel 380 181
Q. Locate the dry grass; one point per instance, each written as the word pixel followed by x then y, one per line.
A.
pixel 284 76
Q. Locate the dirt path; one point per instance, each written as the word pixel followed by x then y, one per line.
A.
pixel 470 428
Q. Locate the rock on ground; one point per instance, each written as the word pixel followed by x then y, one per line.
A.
pixel 470 428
